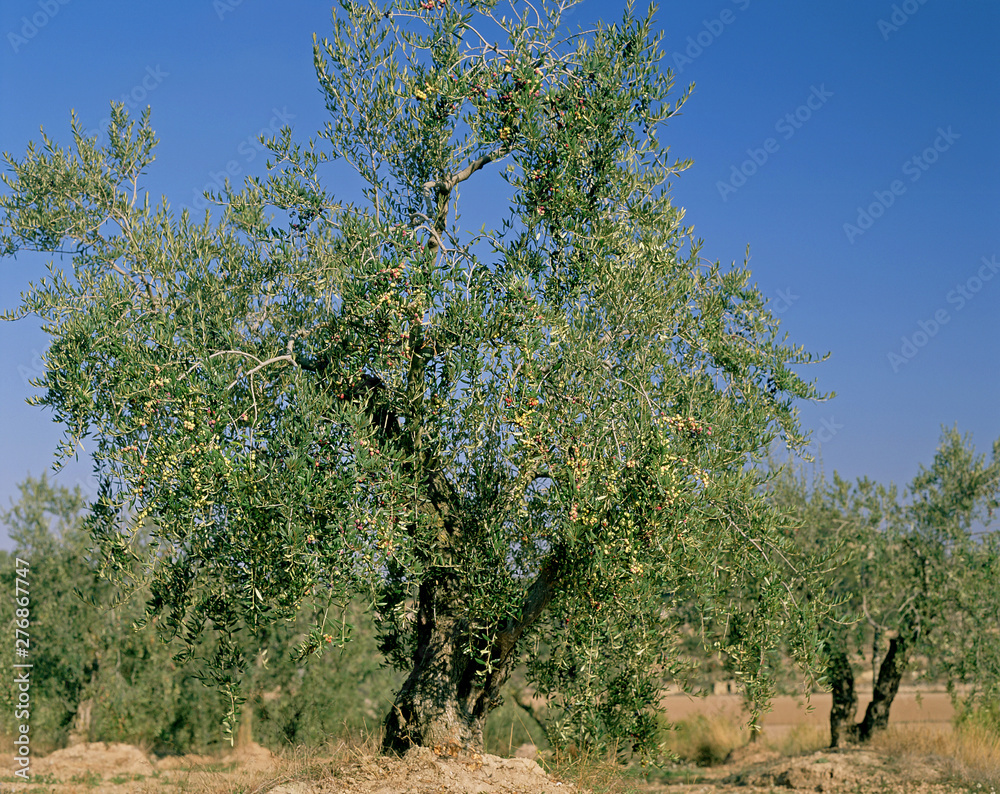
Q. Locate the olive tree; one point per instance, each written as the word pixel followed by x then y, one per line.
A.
pixel 92 676
pixel 518 436
pixel 915 577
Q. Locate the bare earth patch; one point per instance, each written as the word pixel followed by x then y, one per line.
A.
pixel 121 769
pixel 420 770
pixel 849 771
pixel 97 757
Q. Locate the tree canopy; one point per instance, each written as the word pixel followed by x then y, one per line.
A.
pixel 519 438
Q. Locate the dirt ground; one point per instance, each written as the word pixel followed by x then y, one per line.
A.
pixel 123 769
pixel 853 771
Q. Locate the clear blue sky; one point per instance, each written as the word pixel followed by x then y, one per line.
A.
pixel 802 114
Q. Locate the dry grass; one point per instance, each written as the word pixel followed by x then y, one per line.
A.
pixel 704 740
pixel 227 778
pixel 312 765
pixel 799 740
pixel 235 774
pixel 970 752
pixel 590 772
pixel 707 740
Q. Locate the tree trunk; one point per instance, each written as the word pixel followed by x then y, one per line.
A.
pixel 885 688
pixel 81 722
pixel 444 702
pixel 845 699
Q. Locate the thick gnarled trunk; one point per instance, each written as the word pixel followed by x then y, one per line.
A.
pixel 445 700
pixel 886 686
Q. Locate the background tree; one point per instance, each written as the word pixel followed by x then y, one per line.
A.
pixel 517 441
pixel 92 675
pixel 915 575
pixel 94 678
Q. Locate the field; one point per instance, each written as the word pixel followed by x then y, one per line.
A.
pixel 789 716
pixel 922 752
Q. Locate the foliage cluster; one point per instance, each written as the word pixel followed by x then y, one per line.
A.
pixel 535 441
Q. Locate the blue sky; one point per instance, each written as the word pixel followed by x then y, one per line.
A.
pixel 853 146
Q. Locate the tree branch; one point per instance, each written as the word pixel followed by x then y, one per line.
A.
pixel 447 185
pixel 539 596
pixel 441 190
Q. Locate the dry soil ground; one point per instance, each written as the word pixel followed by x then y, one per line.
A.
pixel 121 769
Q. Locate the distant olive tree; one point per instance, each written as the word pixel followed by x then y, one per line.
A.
pixel 518 441
pixel 92 676
pixel 916 576
pixel 95 678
